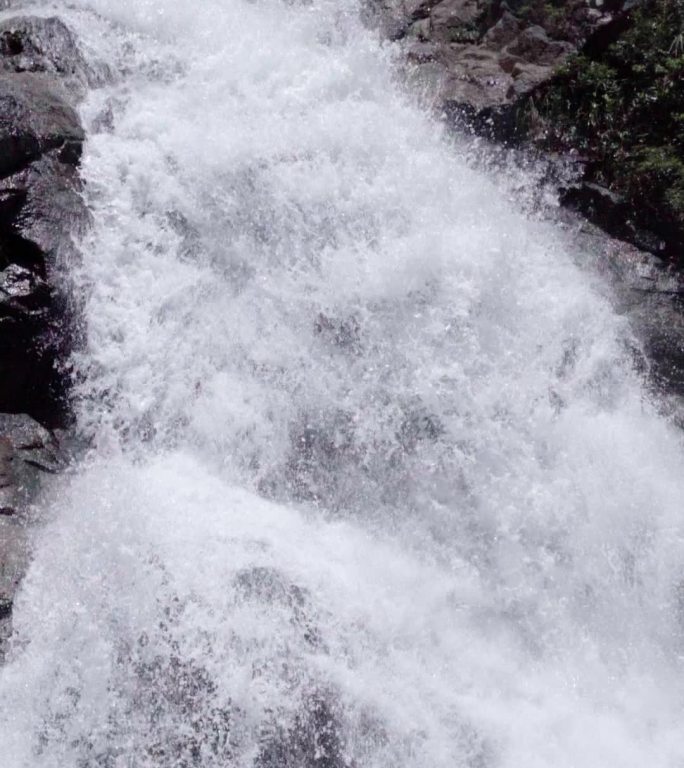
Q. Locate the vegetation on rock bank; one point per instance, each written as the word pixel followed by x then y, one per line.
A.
pixel 622 107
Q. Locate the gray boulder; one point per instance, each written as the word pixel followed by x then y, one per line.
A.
pixel 506 29
pixel 454 21
pixel 535 46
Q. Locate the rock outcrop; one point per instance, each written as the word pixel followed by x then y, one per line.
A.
pixel 29 44
pixel 483 58
pixel 42 75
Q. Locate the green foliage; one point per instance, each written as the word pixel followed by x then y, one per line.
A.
pixel 657 174
pixel 624 109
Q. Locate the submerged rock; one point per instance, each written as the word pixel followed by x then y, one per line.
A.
pixel 32 44
pixel 314 740
pixel 269 586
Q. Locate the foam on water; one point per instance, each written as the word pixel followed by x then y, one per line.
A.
pixel 372 480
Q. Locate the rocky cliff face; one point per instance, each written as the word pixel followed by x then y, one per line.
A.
pixel 42 74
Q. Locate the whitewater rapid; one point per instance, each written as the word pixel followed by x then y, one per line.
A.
pixel 370 478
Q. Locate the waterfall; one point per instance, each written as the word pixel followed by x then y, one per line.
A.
pixel 370 478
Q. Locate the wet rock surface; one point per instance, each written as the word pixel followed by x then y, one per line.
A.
pixel 27 451
pixel 40 206
pixel 29 44
pixel 35 118
pixel 42 74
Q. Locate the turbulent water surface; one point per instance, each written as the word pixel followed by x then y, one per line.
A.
pixel 371 480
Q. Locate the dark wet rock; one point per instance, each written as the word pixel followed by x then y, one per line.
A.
pixel 36 321
pixel 610 211
pixel 456 19
pixel 598 204
pixel 35 117
pixel 40 207
pixel 652 294
pixel 31 442
pixel 22 292
pixel 24 432
pixel 480 87
pixel 26 449
pixel 393 19
pixel 33 44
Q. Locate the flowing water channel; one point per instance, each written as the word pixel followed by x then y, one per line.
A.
pixel 370 481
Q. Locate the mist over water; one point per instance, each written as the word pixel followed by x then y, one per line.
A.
pixel 371 479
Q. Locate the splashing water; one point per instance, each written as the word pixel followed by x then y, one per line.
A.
pixel 372 481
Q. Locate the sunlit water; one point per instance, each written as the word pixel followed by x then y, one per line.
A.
pixel 371 479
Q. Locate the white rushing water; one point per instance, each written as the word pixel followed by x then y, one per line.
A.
pixel 371 480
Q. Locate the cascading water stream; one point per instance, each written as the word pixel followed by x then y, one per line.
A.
pixel 371 481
